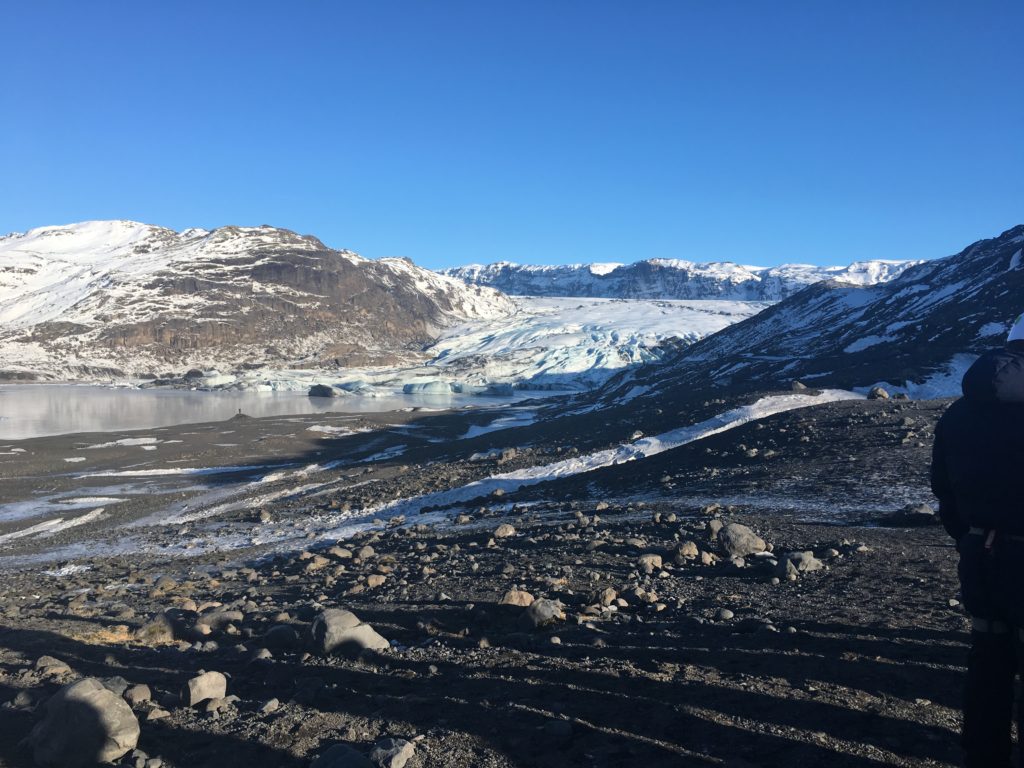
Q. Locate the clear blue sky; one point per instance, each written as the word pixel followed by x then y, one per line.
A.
pixel 555 131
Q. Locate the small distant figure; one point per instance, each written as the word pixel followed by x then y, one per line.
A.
pixel 977 462
pixel 239 411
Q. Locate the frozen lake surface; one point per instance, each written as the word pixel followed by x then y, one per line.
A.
pixel 38 410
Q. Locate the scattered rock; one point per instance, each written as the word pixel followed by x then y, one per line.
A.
pixel 877 393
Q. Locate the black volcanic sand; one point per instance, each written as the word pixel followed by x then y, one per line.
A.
pixel 857 664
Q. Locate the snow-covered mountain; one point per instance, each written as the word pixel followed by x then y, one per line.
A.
pixel 130 297
pixel 916 332
pixel 670 279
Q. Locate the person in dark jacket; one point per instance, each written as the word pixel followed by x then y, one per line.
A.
pixel 978 453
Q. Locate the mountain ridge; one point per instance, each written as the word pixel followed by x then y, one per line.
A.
pixel 915 333
pixel 129 296
pixel 670 278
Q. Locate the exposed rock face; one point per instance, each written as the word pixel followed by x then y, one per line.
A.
pixel 670 279
pixel 118 293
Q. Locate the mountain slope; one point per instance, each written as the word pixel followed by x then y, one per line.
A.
pixel 670 279
pixel 917 331
pixel 124 295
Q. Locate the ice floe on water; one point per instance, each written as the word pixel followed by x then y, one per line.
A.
pixel 126 441
pixel 330 430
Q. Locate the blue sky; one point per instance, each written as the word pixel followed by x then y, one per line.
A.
pixel 539 132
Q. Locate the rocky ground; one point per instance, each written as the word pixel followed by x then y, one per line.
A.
pixel 732 602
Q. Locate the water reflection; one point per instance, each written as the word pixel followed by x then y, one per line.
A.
pixel 36 410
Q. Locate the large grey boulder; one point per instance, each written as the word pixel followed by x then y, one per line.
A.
pixel 84 723
pixel 739 541
pixel 339 631
pixel 209 685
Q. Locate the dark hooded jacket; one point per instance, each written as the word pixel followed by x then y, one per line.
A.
pixel 978 456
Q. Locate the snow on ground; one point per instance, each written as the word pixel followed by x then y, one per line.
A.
pixel 946 382
pixel 649 446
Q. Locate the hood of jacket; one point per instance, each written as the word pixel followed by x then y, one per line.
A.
pixel 997 376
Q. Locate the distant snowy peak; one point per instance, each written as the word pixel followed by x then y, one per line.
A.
pixel 916 331
pixel 119 291
pixel 670 279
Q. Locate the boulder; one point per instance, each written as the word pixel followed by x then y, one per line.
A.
pixel 84 724
pixel 392 753
pixel 137 694
pixel 686 551
pixel 739 541
pixel 798 562
pixel 209 685
pixel 47 666
pixel 281 637
pixel 339 631
pixel 649 563
pixel 503 531
pixel 541 613
pixel 517 597
pixel 877 393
